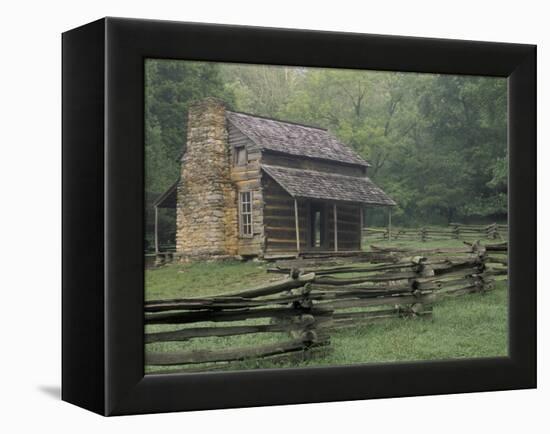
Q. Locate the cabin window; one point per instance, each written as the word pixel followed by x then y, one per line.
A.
pixel 245 213
pixel 240 156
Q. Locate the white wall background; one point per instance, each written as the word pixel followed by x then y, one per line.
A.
pixel 30 183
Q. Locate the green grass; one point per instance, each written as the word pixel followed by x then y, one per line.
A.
pixel 203 279
pixel 469 326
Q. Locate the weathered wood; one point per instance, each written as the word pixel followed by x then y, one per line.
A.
pixel 293 357
pixel 322 293
pixel 352 303
pixel 187 317
pixel 284 229
pixel 422 251
pixel 333 280
pixel 211 356
pixel 217 304
pixel 283 241
pixel 351 269
pixel 301 322
pixel 275 287
pixel 500 247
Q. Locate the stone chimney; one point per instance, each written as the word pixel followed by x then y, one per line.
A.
pixel 206 202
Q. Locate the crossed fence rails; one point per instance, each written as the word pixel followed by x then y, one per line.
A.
pixel 458 231
pixel 317 296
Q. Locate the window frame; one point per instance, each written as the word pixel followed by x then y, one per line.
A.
pixel 236 151
pixel 242 214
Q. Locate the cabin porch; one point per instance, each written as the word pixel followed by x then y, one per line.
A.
pixel 308 212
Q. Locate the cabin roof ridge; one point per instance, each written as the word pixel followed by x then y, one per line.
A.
pixel 292 138
pixel 282 121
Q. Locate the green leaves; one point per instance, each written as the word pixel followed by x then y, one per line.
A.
pixel 170 86
pixel 436 143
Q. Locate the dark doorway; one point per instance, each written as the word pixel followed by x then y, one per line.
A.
pixel 317 226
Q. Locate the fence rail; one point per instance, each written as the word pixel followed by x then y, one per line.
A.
pixel 458 231
pixel 319 295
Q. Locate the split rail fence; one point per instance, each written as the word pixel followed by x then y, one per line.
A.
pixel 319 295
pixel 456 231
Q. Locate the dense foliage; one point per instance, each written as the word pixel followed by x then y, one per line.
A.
pixel 437 143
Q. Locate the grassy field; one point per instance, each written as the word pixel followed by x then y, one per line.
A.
pixel 203 279
pixel 471 326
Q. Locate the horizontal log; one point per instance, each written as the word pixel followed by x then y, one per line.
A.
pixel 491 259
pixel 293 357
pixel 272 207
pixel 270 201
pixel 500 247
pixel 302 322
pixel 355 303
pixel 447 284
pixel 188 317
pixel 355 269
pixel 422 251
pixel 275 287
pixel 362 258
pixel 288 241
pixel 220 303
pixel 211 356
pixel 322 293
pixel 496 272
pixel 332 280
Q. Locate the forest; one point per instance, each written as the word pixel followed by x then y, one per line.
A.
pixel 437 144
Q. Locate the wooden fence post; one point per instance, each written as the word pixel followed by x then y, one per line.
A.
pixel 423 234
pixel 456 231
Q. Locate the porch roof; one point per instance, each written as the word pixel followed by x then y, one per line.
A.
pixel 168 199
pixel 301 183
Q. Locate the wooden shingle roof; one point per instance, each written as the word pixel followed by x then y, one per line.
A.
pixel 294 139
pixel 312 184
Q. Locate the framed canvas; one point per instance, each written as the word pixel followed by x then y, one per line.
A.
pixel 274 209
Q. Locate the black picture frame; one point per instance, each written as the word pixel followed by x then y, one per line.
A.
pixel 103 222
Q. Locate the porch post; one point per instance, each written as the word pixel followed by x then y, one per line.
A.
pixel 335 227
pixel 360 227
pixel 156 229
pixel 297 225
pixel 389 223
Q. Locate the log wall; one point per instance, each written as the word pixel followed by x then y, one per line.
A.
pixel 312 164
pixel 349 227
pixel 247 178
pixel 279 219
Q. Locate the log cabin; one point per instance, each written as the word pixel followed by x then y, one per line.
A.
pixel 252 186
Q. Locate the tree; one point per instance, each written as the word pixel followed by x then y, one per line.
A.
pixel 170 86
pixel 261 89
pixel 436 143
